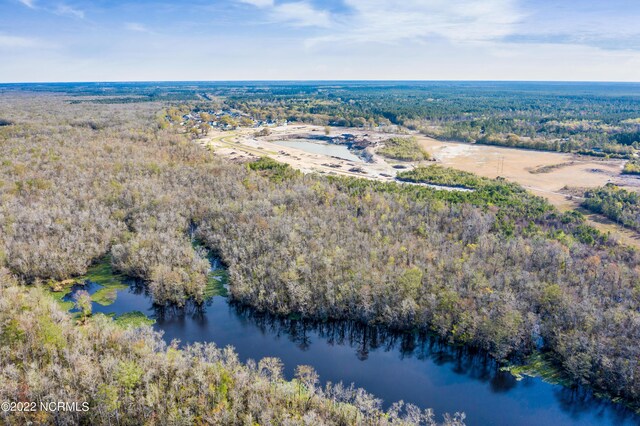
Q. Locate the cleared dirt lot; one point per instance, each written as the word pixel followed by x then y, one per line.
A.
pixel 242 145
pixel 551 171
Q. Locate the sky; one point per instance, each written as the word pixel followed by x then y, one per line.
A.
pixel 142 40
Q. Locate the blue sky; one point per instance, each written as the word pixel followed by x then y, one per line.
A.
pixel 69 40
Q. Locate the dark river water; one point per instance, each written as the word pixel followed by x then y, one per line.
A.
pixel 392 366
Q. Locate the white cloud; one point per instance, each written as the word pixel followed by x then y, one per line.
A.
pixel 301 14
pixel 14 42
pixel 601 24
pixel 31 4
pixel 390 21
pixel 258 3
pixel 137 27
pixel 296 14
pixel 61 9
pixel 67 10
pixel 394 20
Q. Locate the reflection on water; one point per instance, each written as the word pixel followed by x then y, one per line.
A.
pixel 412 367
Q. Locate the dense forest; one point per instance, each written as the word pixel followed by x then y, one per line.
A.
pixel 616 203
pixel 494 267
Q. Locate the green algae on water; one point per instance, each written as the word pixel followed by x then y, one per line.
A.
pixel 538 365
pixel 133 319
pixel 217 283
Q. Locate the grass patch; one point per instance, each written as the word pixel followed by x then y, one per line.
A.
pixel 551 167
pixel 538 365
pixel 61 294
pixel 102 273
pixel 218 278
pixel 107 295
pixel 133 319
pixel 404 149
pixel 216 283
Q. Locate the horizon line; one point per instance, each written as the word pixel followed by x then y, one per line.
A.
pixel 320 81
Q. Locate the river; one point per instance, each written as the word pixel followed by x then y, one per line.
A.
pixel 392 366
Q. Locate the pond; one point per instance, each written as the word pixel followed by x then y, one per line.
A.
pixel 319 147
pixel 392 366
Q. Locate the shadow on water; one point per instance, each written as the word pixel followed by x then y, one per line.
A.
pixel 365 340
pixel 413 367
pixel 432 373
